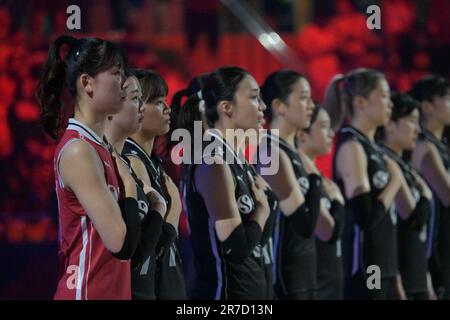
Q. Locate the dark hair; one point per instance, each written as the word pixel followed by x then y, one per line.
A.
pixel 342 89
pixel 403 106
pixel 86 55
pixel 429 87
pixel 278 85
pixel 194 86
pixel 221 84
pixel 314 115
pixel 152 83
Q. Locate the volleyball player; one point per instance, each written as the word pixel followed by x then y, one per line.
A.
pixel 413 200
pixel 227 209
pixel 148 167
pixel 314 141
pixel 96 232
pixel 431 158
pixel 152 206
pixel 369 180
pixel 287 95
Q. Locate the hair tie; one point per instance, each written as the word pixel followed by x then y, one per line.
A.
pixel 200 95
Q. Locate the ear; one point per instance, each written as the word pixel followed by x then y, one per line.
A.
pixel 225 107
pixel 359 102
pixel 86 82
pixel 301 136
pixel 279 106
pixel 426 107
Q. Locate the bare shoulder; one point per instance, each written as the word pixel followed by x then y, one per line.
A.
pixel 78 155
pixel 214 174
pixel 80 164
pixel 350 156
pixel 139 168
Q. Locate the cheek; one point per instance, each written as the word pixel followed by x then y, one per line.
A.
pixel 407 133
pixel 302 107
pixel 246 113
pixel 324 140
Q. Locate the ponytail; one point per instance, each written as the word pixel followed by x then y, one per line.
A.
pixel 189 113
pixel 175 107
pixel 333 102
pixel 51 86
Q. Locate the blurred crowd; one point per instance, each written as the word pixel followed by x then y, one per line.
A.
pixel 414 40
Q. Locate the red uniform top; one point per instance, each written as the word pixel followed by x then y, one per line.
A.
pixel 87 269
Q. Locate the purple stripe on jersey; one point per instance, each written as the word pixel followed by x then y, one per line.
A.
pixel 431 227
pixel 356 239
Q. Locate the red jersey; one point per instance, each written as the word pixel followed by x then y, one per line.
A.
pixel 87 269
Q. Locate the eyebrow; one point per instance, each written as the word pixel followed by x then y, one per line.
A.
pixel 255 89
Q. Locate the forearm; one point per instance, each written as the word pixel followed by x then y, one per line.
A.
pixel 325 225
pixel 404 201
pixel 388 195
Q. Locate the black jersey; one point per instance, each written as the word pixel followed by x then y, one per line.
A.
pixel 330 276
pixel 215 276
pixel 378 245
pixel 295 255
pixel 438 246
pixel 264 251
pixel 169 269
pixel 412 244
pixel 142 262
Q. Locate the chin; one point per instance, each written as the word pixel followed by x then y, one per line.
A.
pixel 165 130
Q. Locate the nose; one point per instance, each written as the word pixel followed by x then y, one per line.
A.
pixel 166 109
pixel 311 104
pixel 262 106
pixel 418 129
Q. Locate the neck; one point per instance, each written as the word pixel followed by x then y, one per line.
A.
pixel 435 128
pixel 145 141
pixel 398 150
pixel 238 141
pixel 115 137
pixel 286 131
pixel 95 122
pixel 365 127
pixel 309 153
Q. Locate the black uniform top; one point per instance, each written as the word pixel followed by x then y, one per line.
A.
pixel 295 255
pixel 169 270
pixel 411 243
pixel 142 271
pixel 264 251
pixel 378 246
pixel 438 246
pixel 330 275
pixel 216 277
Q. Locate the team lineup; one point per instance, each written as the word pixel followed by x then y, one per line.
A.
pixel 258 231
